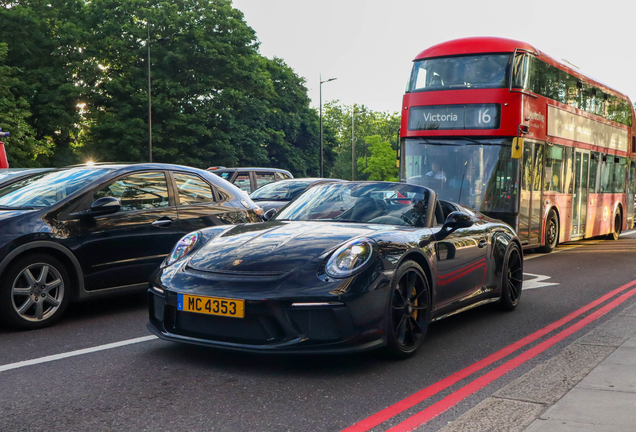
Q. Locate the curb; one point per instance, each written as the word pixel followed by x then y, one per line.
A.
pixel 516 406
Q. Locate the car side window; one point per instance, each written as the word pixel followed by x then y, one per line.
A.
pixel 242 181
pixel 140 191
pixel 281 176
pixel 192 189
pixel 263 178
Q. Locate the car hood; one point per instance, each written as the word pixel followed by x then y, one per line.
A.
pixel 273 247
pixel 10 214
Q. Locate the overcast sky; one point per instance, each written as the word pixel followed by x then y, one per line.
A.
pixel 368 45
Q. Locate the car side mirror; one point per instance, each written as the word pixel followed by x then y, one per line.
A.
pixel 100 207
pixel 105 205
pixel 269 214
pixel 456 220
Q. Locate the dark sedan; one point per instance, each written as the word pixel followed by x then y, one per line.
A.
pixel 346 266
pixel 84 232
pixel 278 194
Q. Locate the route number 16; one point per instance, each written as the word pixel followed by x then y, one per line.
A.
pixel 483 116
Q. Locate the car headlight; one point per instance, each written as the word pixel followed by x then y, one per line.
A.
pixel 182 248
pixel 350 258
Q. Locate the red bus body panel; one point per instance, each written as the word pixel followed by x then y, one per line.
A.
pixel 4 163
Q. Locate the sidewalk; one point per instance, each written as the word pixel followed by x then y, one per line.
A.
pixel 590 386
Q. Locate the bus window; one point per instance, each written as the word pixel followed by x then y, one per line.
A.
pixel 469 71
pixel 538 163
pixel 594 158
pixel 553 169
pixel 569 170
pixel 618 182
pixel 607 172
pixel 520 71
pixel 481 177
pixel 557 84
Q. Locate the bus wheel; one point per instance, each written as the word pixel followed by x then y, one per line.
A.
pixel 618 227
pixel 551 233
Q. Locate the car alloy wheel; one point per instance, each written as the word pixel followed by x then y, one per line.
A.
pixel 512 278
pixel 37 290
pixel 410 307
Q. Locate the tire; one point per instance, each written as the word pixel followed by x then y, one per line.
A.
pixel 618 227
pixel 408 310
pixel 511 278
pixel 551 233
pixel 34 292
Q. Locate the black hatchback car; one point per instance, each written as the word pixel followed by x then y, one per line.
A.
pixel 89 231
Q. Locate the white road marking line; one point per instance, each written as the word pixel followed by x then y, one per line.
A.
pixel 562 249
pixel 50 358
pixel 628 233
pixel 537 282
pixel 539 255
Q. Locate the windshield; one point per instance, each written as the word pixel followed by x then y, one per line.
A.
pixel 478 174
pixel 46 189
pixel 471 71
pixel 280 191
pixel 362 202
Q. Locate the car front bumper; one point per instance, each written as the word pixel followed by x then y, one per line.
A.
pixel 270 325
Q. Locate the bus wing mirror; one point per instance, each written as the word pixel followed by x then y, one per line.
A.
pixel 517 148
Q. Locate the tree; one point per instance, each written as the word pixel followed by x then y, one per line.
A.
pixel 380 165
pixel 215 100
pixel 292 127
pixel 337 117
pixel 22 147
pixel 42 37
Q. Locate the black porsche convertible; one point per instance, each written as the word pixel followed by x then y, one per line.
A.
pixel 345 267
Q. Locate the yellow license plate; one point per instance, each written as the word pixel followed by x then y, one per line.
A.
pixel 211 305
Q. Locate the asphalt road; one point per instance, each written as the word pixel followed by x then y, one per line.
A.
pixel 162 386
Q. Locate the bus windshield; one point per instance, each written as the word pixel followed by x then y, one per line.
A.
pixel 478 174
pixel 460 72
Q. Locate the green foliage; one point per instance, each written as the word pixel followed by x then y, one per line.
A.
pixel 22 146
pixel 42 39
pixel 215 100
pixel 380 165
pixel 368 123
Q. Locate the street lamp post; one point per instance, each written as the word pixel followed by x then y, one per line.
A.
pixel 353 143
pixel 149 102
pixel 322 173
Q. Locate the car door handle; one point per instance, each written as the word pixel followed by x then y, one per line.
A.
pixel 483 243
pixel 162 223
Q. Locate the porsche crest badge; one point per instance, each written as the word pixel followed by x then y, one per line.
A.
pixel 237 262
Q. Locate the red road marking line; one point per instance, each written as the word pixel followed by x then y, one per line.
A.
pixel 454 398
pixel 401 406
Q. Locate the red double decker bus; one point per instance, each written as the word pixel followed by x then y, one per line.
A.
pixel 570 173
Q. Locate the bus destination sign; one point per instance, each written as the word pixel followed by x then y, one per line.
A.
pixel 455 117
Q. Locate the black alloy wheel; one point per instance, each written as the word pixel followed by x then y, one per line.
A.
pixel 34 291
pixel 512 278
pixel 618 228
pixel 551 233
pixel 409 310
